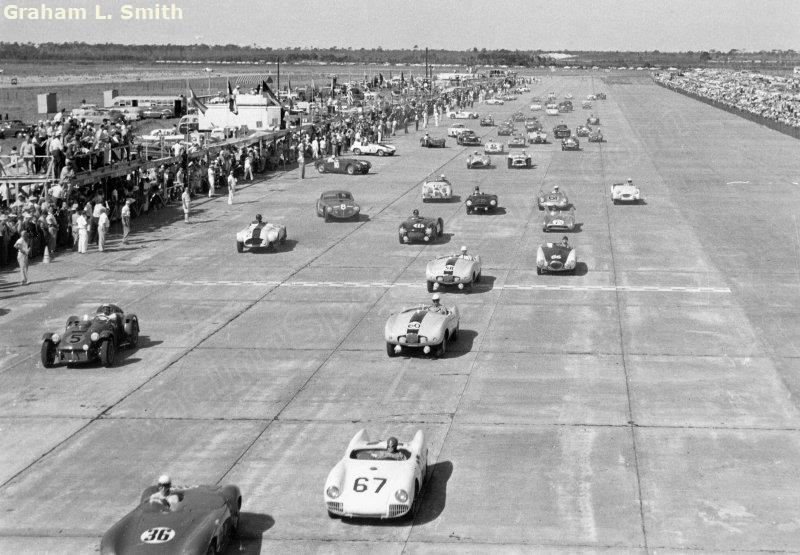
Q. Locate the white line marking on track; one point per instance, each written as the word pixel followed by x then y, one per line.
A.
pixel 737 183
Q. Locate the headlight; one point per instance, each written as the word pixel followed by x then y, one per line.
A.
pixel 492 202
pixel 428 230
pixel 403 229
pixel 55 338
pixel 356 208
pixel 469 203
pixel 402 339
pixel 95 336
pixel 332 492
pixel 401 495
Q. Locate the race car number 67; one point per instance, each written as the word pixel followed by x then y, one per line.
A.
pixel 360 484
pixel 157 535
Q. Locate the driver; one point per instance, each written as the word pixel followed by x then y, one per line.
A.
pixel 165 495
pixel 259 221
pixel 555 188
pixel 415 214
pixel 477 190
pixel 630 182
pixel 436 306
pixel 392 453
pixel 464 252
pixel 443 178
pixel 565 241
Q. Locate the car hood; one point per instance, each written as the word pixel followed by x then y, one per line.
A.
pixel 625 189
pixel 426 222
pixel 450 265
pixel 550 249
pixel 565 215
pixel 416 320
pixel 398 475
pixel 482 198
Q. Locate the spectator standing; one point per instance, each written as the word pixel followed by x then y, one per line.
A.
pixel 211 176
pixel 186 204
pixel 126 220
pixel 231 187
pixel 74 224
pixel 301 160
pixel 103 223
pixel 52 230
pixel 57 152
pixel 248 168
pixel 27 152
pixel 83 232
pixel 23 251
pixel 96 211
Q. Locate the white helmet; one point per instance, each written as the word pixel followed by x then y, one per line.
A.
pixel 164 480
pixel 464 249
pixel 442 176
pixel 555 187
pixel 630 180
pixel 435 298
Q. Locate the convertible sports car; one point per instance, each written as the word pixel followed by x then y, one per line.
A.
pixel 564 107
pixel 570 143
pixel 487 121
pixel 552 111
pixel 505 129
pixel 350 166
pixel 517 141
pixel 554 199
pixel 437 189
pixel 537 137
pixel 600 96
pixel 533 125
pixel 432 142
pixel 591 97
pixel 368 482
pixel 429 328
pixel 468 138
pixel 593 120
pixel 558 220
pixel 509 97
pixel 260 234
pixel 493 147
pixel 518 116
pixel 337 205
pixel 551 96
pixel 583 130
pixel 456 129
pixel 462 114
pixel 535 107
pixel 596 136
pixel 495 100
pixel 459 270
pixel 586 105
pixel 555 257
pixel 92 338
pixel 202 521
pixel 561 130
pixel 478 161
pixel 517 159
pixel 625 192
pixel 417 228
pixel 481 202
pixel 381 149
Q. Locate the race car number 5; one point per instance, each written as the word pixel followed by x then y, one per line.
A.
pixel 360 484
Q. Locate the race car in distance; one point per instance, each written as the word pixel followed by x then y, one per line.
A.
pixel 487 121
pixel 495 100
pixel 202 519
pixel 556 257
pixel 336 164
pixel 586 105
pixel 551 96
pixel 517 159
pixel 593 120
pixel 505 129
pixel 596 136
pixel 481 202
pixel 455 129
pixel 564 107
pixel 459 270
pixel 600 96
pixel 417 228
pixel 522 89
pixel 432 142
pixel 518 116
pixel 561 130
pixel 517 141
pixel 553 199
pixel 558 220
pixel 462 114
pixel 337 205
pixel 428 327
pixel 372 482
pixel 568 96
pixel 533 124
pixel 260 234
pixel 509 97
pixel 535 107
pixel 625 192
pixel 537 138
pixel 591 97
pixel 552 111
pixel 583 130
pixel 493 147
pixel 157 112
pixel 570 143
pixel 468 138
pixel 437 189
pixel 478 161
pixel 381 149
pixel 92 338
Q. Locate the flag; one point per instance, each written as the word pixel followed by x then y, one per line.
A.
pixel 380 80
pixel 268 94
pixel 402 78
pixel 195 102
pixel 232 100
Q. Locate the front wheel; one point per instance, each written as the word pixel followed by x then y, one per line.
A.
pixel 381 153
pixel 108 353
pixel 48 353
pixel 430 287
pixel 356 151
pixel 327 216
pixel 390 350
pixel 443 347
pixel 134 337
pixel 321 168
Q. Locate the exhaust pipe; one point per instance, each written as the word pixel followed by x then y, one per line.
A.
pixel 426 350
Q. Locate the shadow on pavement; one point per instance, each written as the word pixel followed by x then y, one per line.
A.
pixel 249 536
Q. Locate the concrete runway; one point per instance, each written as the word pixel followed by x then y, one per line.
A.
pixel 647 404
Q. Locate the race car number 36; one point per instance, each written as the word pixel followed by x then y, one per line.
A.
pixel 157 535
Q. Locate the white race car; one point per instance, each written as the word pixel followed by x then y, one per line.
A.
pixel 499 101
pixel 536 107
pixel 493 147
pixel 428 328
pixel 552 111
pixel 371 482
pixel 459 270
pixel 625 192
pixel 462 114
pixel 456 129
pixel 437 189
pixel 260 234
pixel 381 149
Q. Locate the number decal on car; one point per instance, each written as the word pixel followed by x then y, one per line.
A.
pixel 157 535
pixel 413 325
pixel 360 484
pixel 419 226
pixel 449 267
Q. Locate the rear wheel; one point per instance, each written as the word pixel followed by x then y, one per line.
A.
pixel 381 153
pixel 108 353
pixel 430 287
pixel 48 353
pixel 443 347
pixel 356 151
pixel 321 168
pixel 134 337
pixel 390 350
pixel 350 169
pixel 239 246
pixel 478 278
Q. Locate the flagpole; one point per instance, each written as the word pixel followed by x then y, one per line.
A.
pixel 279 76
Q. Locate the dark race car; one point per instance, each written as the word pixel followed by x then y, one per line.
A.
pixel 337 205
pixel 505 129
pixel 481 203
pixel 593 120
pixel 555 257
pixel 92 338
pixel 487 121
pixel 596 136
pixel 518 117
pixel 517 141
pixel 157 112
pixel 201 520
pixel 583 130
pixel 561 130
pixel 335 164
pixel 565 106
pixel 468 138
pixel 432 142
pixel 601 96
pixel 418 228
pixel 570 143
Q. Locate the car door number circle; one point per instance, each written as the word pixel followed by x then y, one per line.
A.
pixel 413 325
pixel 157 535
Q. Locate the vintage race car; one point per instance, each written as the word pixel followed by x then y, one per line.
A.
pixel 593 120
pixel 590 97
pixel 429 328
pixel 380 149
pixel 570 143
pixel 553 199
pixel 487 121
pixel 533 125
pixel 337 205
pixel 96 337
pixel 260 234
pixel 505 129
pixel 596 136
pixel 436 189
pixel 601 96
pixel 202 521
pixel 551 96
pixel 555 257
pixel 583 130
pixel 518 117
pixel 493 147
pixel 522 89
pixel 537 138
pixel 462 114
pixel 517 141
pixel 564 107
pixel 468 138
pixel 478 161
pixel 509 97
pixel 459 270
pixel 586 105
pixel 561 130
pixel 625 192
pixel 558 220
pixel 517 159
pixel 535 107
pixel 336 164
pixel 369 483
pixel 481 202
pixel 496 101
pixel 568 96
pixel 432 142
pixel 418 228
pixel 456 129
pixel 552 111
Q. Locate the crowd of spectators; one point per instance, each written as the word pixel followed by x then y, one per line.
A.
pixel 774 97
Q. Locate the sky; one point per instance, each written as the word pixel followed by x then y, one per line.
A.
pixel 666 25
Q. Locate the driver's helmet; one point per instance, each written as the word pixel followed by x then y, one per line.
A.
pixel 630 181
pixel 391 442
pixel 555 188
pixel 259 218
pixel 565 240
pixel 443 178
pixel 476 153
pixel 164 480
pixel 85 318
pixel 435 299
pixel 477 189
pixel 415 213
pixel 463 250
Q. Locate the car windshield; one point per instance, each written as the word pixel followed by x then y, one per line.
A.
pixel 376 454
pixel 338 196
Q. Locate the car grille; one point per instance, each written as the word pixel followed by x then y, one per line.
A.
pixel 412 338
pixel 335 507
pixel 397 510
pixel 556 265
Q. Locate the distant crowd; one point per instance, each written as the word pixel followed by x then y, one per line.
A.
pixel 770 96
